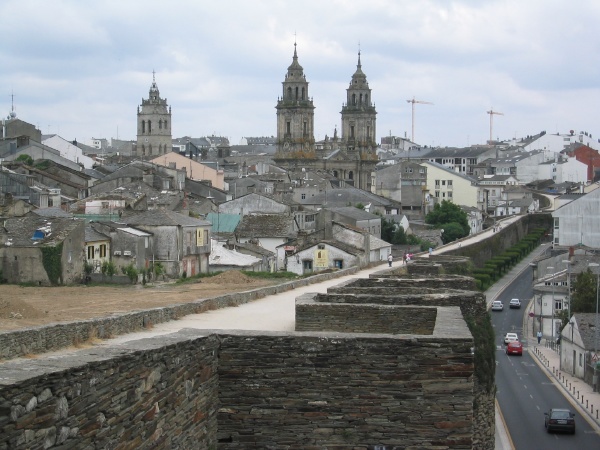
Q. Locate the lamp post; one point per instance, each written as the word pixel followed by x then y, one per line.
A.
pixel 552 306
pixel 595 379
pixel 568 263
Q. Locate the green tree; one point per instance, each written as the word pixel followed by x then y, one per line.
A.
pixel 452 232
pixel 584 293
pixel 388 226
pixel 449 217
pixel 399 236
pixel 26 159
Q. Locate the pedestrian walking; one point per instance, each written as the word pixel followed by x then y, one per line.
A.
pixel 390 259
pixel 539 336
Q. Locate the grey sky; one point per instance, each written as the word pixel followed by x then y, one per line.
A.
pixel 81 68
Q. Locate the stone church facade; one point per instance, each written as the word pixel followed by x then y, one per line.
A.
pixel 153 125
pixel 351 158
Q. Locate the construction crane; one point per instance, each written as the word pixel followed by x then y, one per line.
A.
pixel 413 101
pixel 491 112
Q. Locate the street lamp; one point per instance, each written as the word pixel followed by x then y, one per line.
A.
pixel 552 306
pixel 568 263
pixel 595 379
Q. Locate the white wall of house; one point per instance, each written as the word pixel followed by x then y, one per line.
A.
pixel 69 151
pixel 577 222
pixel 572 354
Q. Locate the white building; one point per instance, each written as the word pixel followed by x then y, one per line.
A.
pixel 557 142
pixel 446 184
pixel 577 222
pixel 68 151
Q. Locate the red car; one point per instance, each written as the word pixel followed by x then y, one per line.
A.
pixel 514 348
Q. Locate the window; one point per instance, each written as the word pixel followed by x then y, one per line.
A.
pixel 556 222
pixel 443 182
pixel 581 360
pixel 102 250
pixel 449 182
pixel 437 183
pixel 90 252
pixel 303 196
pixel 288 127
pixel 558 304
pixel 437 194
pixel 449 194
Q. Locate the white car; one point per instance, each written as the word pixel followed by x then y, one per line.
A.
pixel 515 303
pixel 511 337
pixel 497 305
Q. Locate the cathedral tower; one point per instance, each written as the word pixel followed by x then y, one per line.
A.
pixel 153 125
pixel 295 115
pixel 359 117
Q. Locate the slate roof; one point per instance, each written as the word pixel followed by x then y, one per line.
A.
pixel 343 196
pixel 587 329
pixel 92 235
pixel 51 212
pixel 452 172
pixel 163 217
pixel 354 213
pixel 18 231
pixel 375 243
pixel 266 225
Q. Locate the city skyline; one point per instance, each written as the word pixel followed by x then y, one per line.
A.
pixel 80 70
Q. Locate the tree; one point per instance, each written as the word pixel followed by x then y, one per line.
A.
pixel 452 232
pixel 399 236
pixel 451 219
pixel 388 226
pixel 26 159
pixel 584 293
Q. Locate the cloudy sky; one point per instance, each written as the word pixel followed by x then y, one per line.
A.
pixel 80 68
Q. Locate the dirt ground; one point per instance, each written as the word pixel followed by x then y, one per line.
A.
pixel 22 307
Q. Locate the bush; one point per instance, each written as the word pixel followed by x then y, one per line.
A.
pixel 131 272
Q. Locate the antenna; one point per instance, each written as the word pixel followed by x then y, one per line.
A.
pixel 413 101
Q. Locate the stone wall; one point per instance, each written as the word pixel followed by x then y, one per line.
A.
pixel 363 318
pixel 197 389
pixel 31 341
pixel 155 393
pixel 332 390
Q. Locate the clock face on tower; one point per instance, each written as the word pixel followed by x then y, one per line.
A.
pixel 286 145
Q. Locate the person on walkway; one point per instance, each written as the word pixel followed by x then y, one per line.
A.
pixel 539 336
pixel 390 259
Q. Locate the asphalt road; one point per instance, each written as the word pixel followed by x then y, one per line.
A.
pixel 524 391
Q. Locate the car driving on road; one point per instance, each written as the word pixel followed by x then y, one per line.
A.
pixel 515 303
pixel 497 305
pixel 558 419
pixel 514 348
pixel 511 337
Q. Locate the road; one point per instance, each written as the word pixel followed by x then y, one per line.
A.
pixel 524 391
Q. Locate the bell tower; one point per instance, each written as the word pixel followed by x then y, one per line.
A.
pixel 153 125
pixel 359 117
pixel 295 115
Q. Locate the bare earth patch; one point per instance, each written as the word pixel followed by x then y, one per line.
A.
pixel 23 307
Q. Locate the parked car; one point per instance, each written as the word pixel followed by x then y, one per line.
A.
pixel 497 305
pixel 515 303
pixel 511 337
pixel 514 348
pixel 558 419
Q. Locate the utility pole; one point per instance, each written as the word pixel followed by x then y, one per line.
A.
pixel 491 112
pixel 413 101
